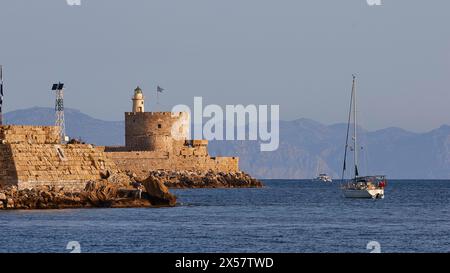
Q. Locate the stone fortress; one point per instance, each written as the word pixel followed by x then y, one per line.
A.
pixel 160 141
pixel 33 156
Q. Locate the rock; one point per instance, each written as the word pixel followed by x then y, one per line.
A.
pixel 122 179
pixel 46 194
pixel 100 193
pixel 123 189
pixel 105 174
pixel 131 174
pixel 158 193
pixel 206 179
pixel 9 203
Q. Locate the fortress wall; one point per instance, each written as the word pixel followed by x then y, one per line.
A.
pixel 29 134
pixel 140 161
pixel 114 148
pixel 143 162
pixel 225 164
pixel 152 131
pixel 192 151
pixel 68 166
pixel 191 147
pixel 180 148
pixel 160 143
pixel 8 175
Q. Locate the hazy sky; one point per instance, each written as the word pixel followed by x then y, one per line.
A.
pixel 299 54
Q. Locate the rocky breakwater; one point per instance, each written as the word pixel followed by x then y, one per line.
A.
pixel 210 179
pixel 114 191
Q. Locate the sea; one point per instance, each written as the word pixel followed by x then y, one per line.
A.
pixel 298 216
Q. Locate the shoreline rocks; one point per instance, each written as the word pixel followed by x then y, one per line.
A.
pixel 210 179
pixel 123 190
pixel 96 194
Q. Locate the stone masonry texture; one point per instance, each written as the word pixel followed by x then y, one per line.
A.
pixel 32 156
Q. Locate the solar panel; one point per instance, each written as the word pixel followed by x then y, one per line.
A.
pixel 54 86
pixel 60 86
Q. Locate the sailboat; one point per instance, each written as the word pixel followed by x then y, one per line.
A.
pixel 359 186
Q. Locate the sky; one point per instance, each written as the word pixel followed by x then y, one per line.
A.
pixel 299 54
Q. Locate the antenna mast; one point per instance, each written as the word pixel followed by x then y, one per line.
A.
pixel 59 109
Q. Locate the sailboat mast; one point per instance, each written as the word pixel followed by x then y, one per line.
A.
pixel 351 108
pixel 355 127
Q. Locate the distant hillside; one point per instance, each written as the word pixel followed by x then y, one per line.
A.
pixel 306 147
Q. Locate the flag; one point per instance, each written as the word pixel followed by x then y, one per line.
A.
pixel 159 89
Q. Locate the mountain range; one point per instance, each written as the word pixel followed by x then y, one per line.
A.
pixel 306 147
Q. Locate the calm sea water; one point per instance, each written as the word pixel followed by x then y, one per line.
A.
pixel 285 216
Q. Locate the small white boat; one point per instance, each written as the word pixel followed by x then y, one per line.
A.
pixel 323 177
pixel 359 186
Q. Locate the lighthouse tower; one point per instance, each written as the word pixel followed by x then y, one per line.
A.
pixel 138 101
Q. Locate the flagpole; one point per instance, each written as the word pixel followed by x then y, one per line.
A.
pixel 1 95
pixel 157 99
pixel 158 90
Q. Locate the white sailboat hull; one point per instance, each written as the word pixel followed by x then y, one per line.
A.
pixel 363 193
